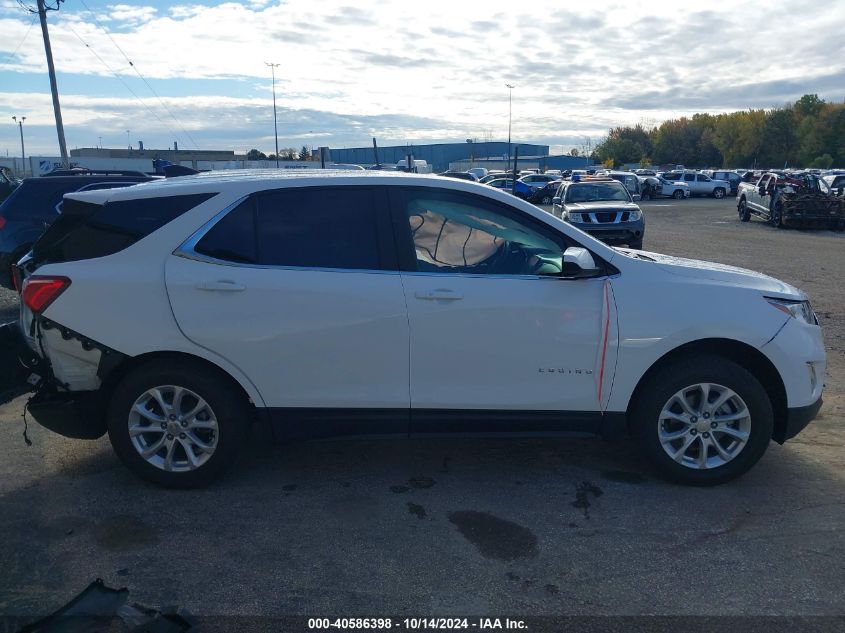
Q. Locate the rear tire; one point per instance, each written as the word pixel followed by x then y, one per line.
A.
pixel 742 209
pixel 742 425
pixel 546 200
pixel 637 246
pixel 195 442
pixel 718 193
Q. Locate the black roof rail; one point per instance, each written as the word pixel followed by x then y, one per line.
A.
pixel 96 172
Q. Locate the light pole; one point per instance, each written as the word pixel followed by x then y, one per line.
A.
pixel 275 120
pixel 23 153
pixel 510 109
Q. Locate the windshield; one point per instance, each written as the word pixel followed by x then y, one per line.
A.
pixel 594 192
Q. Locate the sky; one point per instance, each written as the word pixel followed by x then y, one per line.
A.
pixel 404 72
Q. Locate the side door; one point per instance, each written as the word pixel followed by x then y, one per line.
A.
pixel 497 335
pixel 689 178
pixel 299 288
pixel 704 184
pixel 761 200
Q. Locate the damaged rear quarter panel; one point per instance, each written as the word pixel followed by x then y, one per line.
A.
pixel 121 302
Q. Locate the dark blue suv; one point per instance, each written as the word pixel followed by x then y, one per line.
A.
pixel 37 202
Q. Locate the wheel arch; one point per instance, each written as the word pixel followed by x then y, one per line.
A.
pixel 744 355
pixel 133 362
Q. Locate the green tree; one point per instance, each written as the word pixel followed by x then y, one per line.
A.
pixel 808 105
pixel 824 161
pixel 305 153
pixel 254 154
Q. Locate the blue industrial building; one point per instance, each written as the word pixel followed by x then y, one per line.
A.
pixel 438 155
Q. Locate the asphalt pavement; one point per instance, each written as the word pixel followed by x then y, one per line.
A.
pixel 455 526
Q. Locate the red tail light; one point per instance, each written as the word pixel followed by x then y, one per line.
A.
pixel 39 291
pixel 2 222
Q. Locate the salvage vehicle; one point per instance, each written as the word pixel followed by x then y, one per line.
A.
pixel 37 203
pixel 537 181
pixel 659 187
pixel 378 303
pixel 791 200
pixel 602 207
pixel 700 184
pixel 632 183
pixel 836 184
pixel 726 175
pixel 545 195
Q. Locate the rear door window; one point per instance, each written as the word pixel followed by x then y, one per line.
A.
pixel 329 227
pixel 311 227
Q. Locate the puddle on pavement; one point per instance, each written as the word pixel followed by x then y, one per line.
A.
pixel 495 537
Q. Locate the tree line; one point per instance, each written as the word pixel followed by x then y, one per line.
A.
pixel 809 133
pixel 288 153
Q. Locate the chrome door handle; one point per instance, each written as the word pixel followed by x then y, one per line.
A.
pixel 222 285
pixel 441 294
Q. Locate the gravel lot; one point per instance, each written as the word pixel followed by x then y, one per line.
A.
pixel 455 526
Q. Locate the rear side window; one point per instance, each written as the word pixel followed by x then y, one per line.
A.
pixel 311 227
pixel 96 231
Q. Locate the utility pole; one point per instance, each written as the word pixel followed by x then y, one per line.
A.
pixel 275 120
pixel 57 110
pixel 23 153
pixel 510 109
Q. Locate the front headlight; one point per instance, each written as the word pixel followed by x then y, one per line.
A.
pixel 800 310
pixel 635 215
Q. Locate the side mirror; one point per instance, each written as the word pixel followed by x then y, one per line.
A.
pixel 762 191
pixel 556 200
pixel 578 264
pixel 636 197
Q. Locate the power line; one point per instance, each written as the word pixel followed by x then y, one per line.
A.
pixel 119 78
pixel 129 61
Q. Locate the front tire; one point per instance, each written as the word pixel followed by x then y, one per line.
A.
pixel 777 217
pixel 702 421
pixel 177 424
pixel 742 210
pixel 678 194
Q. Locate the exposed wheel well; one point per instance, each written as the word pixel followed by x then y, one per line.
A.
pixel 740 353
pixel 119 372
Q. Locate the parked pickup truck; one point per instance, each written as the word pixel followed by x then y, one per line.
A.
pixel 700 184
pixel 801 199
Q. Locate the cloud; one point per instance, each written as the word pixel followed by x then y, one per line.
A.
pixel 129 13
pixel 407 70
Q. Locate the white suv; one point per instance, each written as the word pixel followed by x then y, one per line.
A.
pixel 172 314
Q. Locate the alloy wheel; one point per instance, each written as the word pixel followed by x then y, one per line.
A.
pixel 173 428
pixel 704 426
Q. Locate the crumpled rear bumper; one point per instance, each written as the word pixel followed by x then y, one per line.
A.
pixel 76 414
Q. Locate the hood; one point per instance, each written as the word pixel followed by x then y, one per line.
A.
pixel 601 205
pixel 728 275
